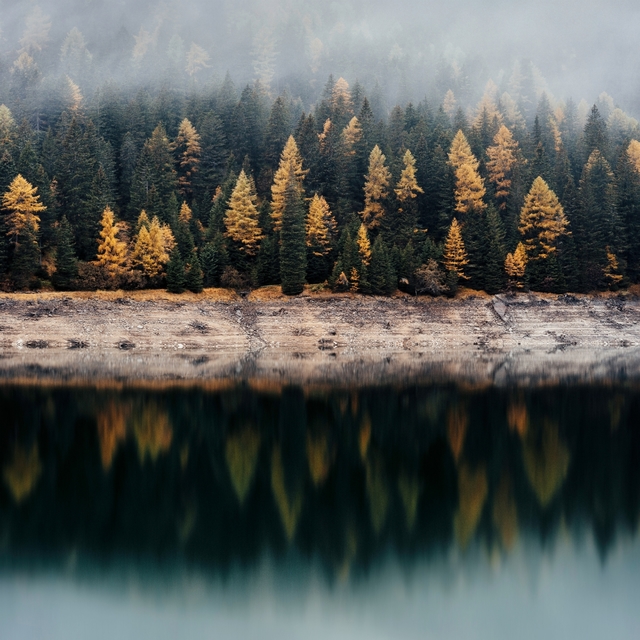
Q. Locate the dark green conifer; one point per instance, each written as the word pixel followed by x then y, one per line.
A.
pixel 194 276
pixel 176 276
pixel 66 262
pixel 293 253
pixel 382 278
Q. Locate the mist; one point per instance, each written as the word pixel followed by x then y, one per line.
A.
pixel 408 50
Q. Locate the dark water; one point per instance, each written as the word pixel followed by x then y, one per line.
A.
pixel 422 511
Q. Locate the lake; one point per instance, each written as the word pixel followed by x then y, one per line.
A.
pixel 236 510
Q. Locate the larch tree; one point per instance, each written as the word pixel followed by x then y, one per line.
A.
pixel 188 151
pixel 375 189
pixel 22 206
pixel 152 246
pixel 112 252
pixel 241 218
pixel 633 152
pixel 470 190
pixel 454 257
pixel 542 221
pixel 364 245
pixel 290 162
pixel 320 229
pixel 503 156
pixel 515 265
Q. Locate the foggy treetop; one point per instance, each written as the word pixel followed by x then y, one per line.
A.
pixel 410 49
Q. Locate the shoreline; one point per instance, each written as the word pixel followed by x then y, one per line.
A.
pixel 266 339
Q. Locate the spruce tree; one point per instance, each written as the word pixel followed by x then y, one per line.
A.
pixel 213 260
pixel 194 275
pixel 176 276
pixel 293 257
pixel 382 278
pixel 26 259
pixel 66 262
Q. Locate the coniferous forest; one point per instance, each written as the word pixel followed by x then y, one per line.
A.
pixel 186 185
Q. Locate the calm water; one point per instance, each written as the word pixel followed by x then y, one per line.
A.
pixel 415 512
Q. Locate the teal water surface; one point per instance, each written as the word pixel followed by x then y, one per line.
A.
pixel 237 511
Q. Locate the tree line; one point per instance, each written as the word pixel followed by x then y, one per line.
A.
pixel 211 188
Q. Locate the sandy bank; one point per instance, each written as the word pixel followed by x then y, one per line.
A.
pixel 318 339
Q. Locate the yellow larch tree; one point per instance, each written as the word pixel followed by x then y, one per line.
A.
pixel 22 206
pixel 449 103
pixel 515 265
pixel 503 156
pixel 375 188
pixel 612 270
pixel 364 245
pixel 408 188
pixel 542 221
pixel 188 151
pixel 290 162
pixel 197 59
pixel 352 134
pixel 320 226
pixel 633 152
pixel 454 257
pixel 470 188
pixel 152 246
pixel 112 252
pixel 241 218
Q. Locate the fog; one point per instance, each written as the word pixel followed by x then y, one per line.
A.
pixel 411 50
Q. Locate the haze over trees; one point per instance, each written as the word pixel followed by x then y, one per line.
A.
pixel 189 182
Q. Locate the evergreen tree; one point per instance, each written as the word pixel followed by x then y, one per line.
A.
pixel 293 258
pixel 194 275
pixel 495 252
pixel 26 258
pixel 628 205
pixel 176 276
pixel 382 279
pixel 214 259
pixel 66 262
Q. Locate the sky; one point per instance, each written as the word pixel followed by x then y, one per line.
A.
pixel 580 48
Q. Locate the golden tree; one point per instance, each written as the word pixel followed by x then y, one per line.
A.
pixel 407 188
pixel 542 220
pixel 633 152
pixel 515 264
pixel 320 226
pixel 469 184
pixel 22 205
pixel 454 257
pixel 188 151
pixel 612 270
pixel 375 188
pixel 503 155
pixel 290 162
pixel 112 252
pixel 241 218
pixel 152 246
pixel 364 245
pixel 352 134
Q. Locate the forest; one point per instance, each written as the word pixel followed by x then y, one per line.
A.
pixel 186 186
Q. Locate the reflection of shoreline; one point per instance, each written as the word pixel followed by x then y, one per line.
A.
pixel 526 340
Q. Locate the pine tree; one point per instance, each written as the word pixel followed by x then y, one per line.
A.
pixel 22 206
pixel 66 262
pixel 26 258
pixel 382 279
pixel 375 189
pixel 241 218
pixel 293 258
pixel 628 204
pixel 213 260
pixel 290 162
pixel 495 252
pixel 187 150
pixel 503 156
pixel 542 221
pixel 112 252
pixel 454 257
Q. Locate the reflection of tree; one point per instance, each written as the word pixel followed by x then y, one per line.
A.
pixel 23 472
pixel 546 462
pixel 505 514
pixel 112 429
pixel 289 507
pixel 409 489
pixel 377 492
pixel 319 458
pixel 241 453
pixel 364 437
pixel 153 432
pixel 457 423
pixel 518 417
pixel 472 493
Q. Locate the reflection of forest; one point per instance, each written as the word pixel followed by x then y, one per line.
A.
pixel 222 477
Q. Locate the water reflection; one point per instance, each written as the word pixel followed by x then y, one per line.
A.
pixel 220 478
